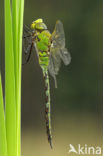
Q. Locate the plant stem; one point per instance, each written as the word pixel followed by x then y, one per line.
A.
pixel 3 143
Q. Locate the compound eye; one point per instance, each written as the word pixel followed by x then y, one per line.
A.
pixel 33 25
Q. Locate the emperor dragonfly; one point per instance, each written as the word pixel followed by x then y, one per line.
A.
pixel 50 50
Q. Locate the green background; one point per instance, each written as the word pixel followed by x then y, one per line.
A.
pixel 77 103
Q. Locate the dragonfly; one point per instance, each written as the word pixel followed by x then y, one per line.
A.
pixel 51 51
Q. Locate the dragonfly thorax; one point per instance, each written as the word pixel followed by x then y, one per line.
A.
pixel 43 43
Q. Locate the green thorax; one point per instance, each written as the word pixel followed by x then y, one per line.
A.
pixel 43 40
pixel 43 44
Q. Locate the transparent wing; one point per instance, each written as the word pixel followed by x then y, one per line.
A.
pixel 58 36
pixel 58 51
pixel 27 39
pixel 54 65
pixel 27 29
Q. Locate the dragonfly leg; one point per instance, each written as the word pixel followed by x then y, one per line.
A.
pixel 29 54
pixel 26 36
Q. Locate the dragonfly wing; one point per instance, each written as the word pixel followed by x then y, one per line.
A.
pixel 27 39
pixel 26 45
pixel 58 36
pixel 58 42
pixel 27 29
pixel 52 70
pixel 65 56
pixel 58 50
pixel 54 63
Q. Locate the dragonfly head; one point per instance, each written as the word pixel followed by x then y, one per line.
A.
pixel 38 25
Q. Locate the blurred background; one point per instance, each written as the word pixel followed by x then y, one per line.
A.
pixel 77 103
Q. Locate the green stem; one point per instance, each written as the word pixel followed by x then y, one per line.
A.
pixel 10 103
pixel 3 143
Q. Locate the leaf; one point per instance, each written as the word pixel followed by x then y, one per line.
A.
pixel 3 143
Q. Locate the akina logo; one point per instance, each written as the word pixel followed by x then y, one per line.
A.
pixel 85 150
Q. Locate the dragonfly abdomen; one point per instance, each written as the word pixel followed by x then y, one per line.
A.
pixel 47 106
pixel 43 59
pixel 43 45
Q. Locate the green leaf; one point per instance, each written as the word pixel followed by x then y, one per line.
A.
pixel 13 61
pixel 10 102
pixel 3 143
